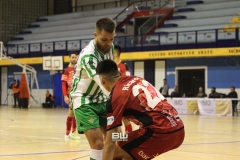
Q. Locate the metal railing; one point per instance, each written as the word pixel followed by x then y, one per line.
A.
pixel 154 19
pixel 174 40
pixel 104 5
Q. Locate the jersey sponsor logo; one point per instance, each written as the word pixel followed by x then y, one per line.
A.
pixel 91 120
pixel 143 155
pixel 126 87
pixel 110 120
pixel 90 62
pixel 172 121
pixel 206 103
pixel 178 102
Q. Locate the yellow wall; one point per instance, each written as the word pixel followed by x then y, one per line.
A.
pixel 191 53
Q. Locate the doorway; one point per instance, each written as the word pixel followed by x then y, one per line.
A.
pixel 189 80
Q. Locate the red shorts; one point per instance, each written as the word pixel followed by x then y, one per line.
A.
pixel 145 144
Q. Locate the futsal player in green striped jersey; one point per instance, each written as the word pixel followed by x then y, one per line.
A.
pixel 88 97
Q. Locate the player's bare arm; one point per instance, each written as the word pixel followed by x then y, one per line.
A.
pixel 66 100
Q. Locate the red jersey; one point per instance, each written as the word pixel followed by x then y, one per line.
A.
pixel 123 69
pixel 67 77
pixel 138 101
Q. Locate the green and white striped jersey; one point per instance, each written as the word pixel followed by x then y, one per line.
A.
pixel 83 84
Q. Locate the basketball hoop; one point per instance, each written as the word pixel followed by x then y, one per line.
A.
pixel 53 69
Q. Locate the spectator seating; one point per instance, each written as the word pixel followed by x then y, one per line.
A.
pixel 64 27
pixel 204 15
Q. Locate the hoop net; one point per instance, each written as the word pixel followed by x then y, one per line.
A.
pixel 53 70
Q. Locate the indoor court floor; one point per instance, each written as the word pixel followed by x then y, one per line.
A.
pixel 38 134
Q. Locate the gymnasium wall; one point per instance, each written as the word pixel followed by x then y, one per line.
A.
pixel 222 72
pixel 152 70
pixel 45 80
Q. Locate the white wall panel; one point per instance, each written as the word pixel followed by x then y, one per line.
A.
pixel 159 73
pixel 139 69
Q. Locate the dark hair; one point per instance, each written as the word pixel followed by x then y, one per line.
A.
pixel 118 48
pixel 233 87
pixel 214 88
pixel 165 79
pixel 70 53
pixel 106 24
pixel 108 69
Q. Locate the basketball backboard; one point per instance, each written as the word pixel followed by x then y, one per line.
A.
pixel 53 63
pixel 1 50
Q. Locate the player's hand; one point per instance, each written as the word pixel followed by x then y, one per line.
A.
pixel 66 100
pixel 70 106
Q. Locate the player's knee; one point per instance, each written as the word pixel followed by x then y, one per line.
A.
pixel 98 145
pixel 71 114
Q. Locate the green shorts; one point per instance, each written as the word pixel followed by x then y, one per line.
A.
pixel 90 116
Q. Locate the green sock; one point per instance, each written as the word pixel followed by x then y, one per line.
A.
pixel 91 158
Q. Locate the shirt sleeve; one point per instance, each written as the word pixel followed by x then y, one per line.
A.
pixel 65 75
pixel 97 80
pixel 124 69
pixel 64 88
pixel 115 109
pixel 89 63
pixel 64 81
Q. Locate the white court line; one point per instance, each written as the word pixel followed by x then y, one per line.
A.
pixel 35 153
pixel 37 137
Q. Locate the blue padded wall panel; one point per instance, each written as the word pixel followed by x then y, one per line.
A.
pixel 149 71
pixel 57 90
pixel 45 80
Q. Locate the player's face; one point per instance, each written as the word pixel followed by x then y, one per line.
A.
pixel 73 58
pixel 116 54
pixel 104 40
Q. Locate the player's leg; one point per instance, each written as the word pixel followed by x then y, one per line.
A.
pixel 94 137
pixel 140 144
pixel 68 125
pixel 120 154
pixel 71 123
pixel 73 133
pixel 90 125
pixel 15 99
pixel 127 124
pixel 18 100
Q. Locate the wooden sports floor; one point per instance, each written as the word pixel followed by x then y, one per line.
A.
pixel 38 134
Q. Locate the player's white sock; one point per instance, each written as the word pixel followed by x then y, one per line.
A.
pixel 96 154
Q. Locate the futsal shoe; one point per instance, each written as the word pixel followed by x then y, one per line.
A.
pixel 74 136
pixel 67 137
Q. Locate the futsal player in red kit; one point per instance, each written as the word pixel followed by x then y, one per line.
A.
pixel 67 78
pixel 134 98
pixel 125 71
